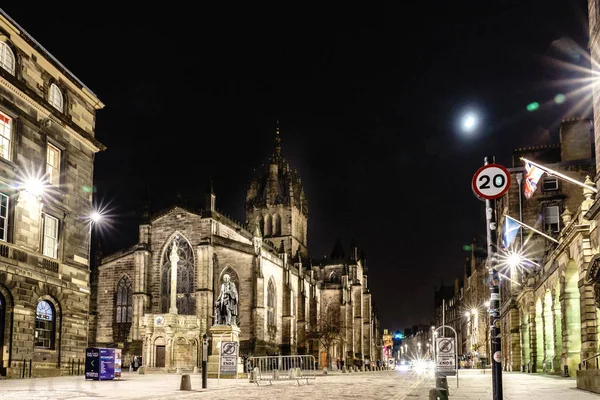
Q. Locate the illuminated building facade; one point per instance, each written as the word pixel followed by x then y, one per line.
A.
pixel 286 301
pixel 541 314
pixel 47 149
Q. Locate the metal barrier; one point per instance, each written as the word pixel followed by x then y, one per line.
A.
pixel 584 363
pixel 280 368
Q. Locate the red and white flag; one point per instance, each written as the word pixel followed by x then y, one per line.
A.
pixel 532 177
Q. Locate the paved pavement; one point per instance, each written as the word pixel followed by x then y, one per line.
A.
pixel 388 385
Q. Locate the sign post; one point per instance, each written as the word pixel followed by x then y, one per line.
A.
pixel 446 355
pixel 204 360
pixel 489 183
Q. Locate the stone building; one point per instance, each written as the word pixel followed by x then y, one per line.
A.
pixel 285 299
pixel 47 149
pixel 475 306
pixel 544 323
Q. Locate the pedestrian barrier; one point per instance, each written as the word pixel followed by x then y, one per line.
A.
pixel 281 368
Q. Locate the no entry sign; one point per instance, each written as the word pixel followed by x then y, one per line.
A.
pixel 491 182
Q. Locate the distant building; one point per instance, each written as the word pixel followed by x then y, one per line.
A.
pixel 47 149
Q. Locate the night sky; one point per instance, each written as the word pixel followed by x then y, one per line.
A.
pixel 369 102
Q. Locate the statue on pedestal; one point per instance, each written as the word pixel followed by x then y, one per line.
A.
pixel 226 308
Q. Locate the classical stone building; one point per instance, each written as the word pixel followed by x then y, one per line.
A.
pixel 545 324
pixel 281 291
pixel 47 149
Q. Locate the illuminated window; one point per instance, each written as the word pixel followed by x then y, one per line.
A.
pixel 44 325
pixel 5 135
pixel 53 164
pixel 50 239
pixel 4 217
pixel 55 98
pixel 271 304
pixel 551 218
pixel 7 58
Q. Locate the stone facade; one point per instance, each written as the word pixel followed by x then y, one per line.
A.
pixel 548 317
pixel 47 119
pixel 541 327
pixel 281 292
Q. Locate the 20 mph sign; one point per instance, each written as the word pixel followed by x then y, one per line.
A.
pixel 491 181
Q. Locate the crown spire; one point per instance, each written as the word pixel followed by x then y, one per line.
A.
pixel 277 154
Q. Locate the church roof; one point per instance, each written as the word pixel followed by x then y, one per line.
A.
pixel 276 183
pixel 338 252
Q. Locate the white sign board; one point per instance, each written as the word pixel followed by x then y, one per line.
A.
pixel 445 355
pixel 491 181
pixel 229 358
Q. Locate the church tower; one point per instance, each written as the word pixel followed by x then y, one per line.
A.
pixel 276 202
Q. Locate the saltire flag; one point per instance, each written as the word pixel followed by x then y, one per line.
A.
pixel 509 232
pixel 532 177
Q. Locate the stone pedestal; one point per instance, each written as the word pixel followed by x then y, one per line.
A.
pixel 218 334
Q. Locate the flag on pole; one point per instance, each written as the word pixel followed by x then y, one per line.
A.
pixel 532 177
pixel 509 232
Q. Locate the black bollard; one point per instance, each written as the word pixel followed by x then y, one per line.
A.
pixel 438 394
pixel 186 382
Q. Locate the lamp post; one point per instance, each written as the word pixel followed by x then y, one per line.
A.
pixel 496 345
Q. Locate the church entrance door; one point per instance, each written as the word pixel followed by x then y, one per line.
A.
pixel 160 356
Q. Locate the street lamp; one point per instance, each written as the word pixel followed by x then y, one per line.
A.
pixel 96 217
pixel 34 186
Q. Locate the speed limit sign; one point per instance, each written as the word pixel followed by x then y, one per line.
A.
pixel 491 181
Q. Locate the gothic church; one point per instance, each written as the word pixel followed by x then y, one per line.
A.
pixel 284 297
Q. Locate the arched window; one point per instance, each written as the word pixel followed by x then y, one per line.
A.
pixel 55 97
pixel 333 277
pixel 124 306
pixel 271 304
pixel 186 300
pixel 268 225
pixel 44 325
pixel 7 58
pixel 276 225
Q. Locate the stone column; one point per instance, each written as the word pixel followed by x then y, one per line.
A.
pixel 174 257
pixel 533 338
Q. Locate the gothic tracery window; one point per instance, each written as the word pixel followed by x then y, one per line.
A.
pixel 271 304
pixel 186 301
pixel 124 301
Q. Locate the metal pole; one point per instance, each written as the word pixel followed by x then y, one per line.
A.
pixel 204 360
pixel 443 316
pixel 496 345
pixel 519 180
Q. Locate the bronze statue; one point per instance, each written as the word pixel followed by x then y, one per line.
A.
pixel 226 308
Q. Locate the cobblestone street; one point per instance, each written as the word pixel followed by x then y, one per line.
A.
pixel 367 385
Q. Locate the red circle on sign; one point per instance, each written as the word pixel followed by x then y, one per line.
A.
pixel 480 173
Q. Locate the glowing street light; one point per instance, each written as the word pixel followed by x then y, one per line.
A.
pixel 487 304
pixel 34 186
pixel 467 314
pixel 473 311
pixel 96 217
